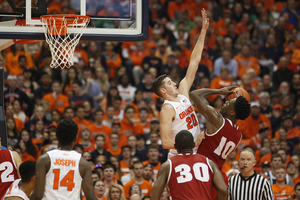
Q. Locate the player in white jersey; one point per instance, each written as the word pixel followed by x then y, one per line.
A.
pixel 177 112
pixel 62 173
pixel 22 188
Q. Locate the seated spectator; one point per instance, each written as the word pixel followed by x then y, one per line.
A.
pixel 86 142
pixel 265 108
pixel 126 155
pixel 99 189
pixel 39 114
pixel 57 100
pixel 246 61
pixel 126 90
pixel 90 87
pixel 30 148
pixel 79 118
pixel 18 113
pixel 99 150
pixel 250 126
pixel 174 10
pixel 67 86
pixel 282 74
pixel 149 174
pixel 116 162
pixel 113 59
pixel 109 116
pixel 138 179
pixel 153 156
pixel 280 188
pixel 146 85
pixel 78 98
pixel 13 93
pixel 274 147
pixel 128 124
pixel 163 51
pixel 221 81
pixel 151 60
pixel 114 148
pixel 228 62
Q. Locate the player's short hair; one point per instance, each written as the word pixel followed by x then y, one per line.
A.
pixel 242 108
pixel 66 131
pixel 184 140
pixel 158 83
pixel 27 171
pixel 152 147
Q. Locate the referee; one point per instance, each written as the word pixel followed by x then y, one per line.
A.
pixel 248 185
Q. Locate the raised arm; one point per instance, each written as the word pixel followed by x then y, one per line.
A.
pixel 187 81
pixel 42 167
pixel 218 182
pixel 199 99
pixel 161 181
pixel 167 114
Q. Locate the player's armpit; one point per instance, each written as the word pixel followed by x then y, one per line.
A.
pixel 166 118
pixel 42 167
pixel 13 198
pixel 17 160
pixel 161 181
pixel 87 183
pixel 219 182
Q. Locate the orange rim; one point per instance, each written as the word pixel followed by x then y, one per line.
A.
pixel 70 19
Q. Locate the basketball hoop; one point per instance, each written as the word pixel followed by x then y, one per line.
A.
pixel 62 33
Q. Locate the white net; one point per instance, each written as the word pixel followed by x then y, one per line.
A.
pixel 62 33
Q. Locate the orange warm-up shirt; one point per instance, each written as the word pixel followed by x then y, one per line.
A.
pixel 173 7
pixel 60 103
pixel 146 188
pixel 129 129
pixel 96 130
pixel 291 134
pixel 282 192
pixel 250 126
pixel 219 83
pixel 246 63
pixel 114 152
pixel 12 62
pixel 137 57
pixel 124 167
pixel 113 62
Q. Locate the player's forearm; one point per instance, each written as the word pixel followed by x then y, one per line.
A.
pixel 222 194
pixel 204 92
pixel 168 143
pixel 197 51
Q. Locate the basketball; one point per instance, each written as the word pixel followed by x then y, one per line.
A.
pixel 238 92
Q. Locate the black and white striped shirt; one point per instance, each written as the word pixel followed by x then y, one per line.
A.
pixel 255 187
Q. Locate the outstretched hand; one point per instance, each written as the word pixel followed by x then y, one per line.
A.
pixel 205 20
pixel 227 90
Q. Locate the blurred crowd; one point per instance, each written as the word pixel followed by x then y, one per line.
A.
pixel 253 44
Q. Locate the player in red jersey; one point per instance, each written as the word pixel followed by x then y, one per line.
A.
pixel 9 165
pixel 189 176
pixel 222 134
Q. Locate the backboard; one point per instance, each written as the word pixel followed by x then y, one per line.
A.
pixel 110 20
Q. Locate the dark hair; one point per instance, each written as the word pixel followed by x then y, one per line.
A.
pixel 79 106
pixel 31 150
pixel 96 172
pixel 78 82
pixel 21 56
pixel 27 170
pixel 152 147
pixel 184 140
pixel 110 97
pixel 94 183
pixel 276 155
pixel 140 137
pixel 99 135
pixel 68 81
pixel 136 163
pixel 98 110
pixel 297 184
pixel 87 69
pixel 66 132
pixel 158 83
pixel 67 108
pixel 242 108
pixel 124 147
pixel 109 165
pixel 129 107
pixel 143 109
pixel 136 92
pixel 78 146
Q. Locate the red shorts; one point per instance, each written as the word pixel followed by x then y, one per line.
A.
pixel 226 182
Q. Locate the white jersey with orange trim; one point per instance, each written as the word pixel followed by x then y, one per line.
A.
pixel 185 119
pixel 14 191
pixel 63 180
